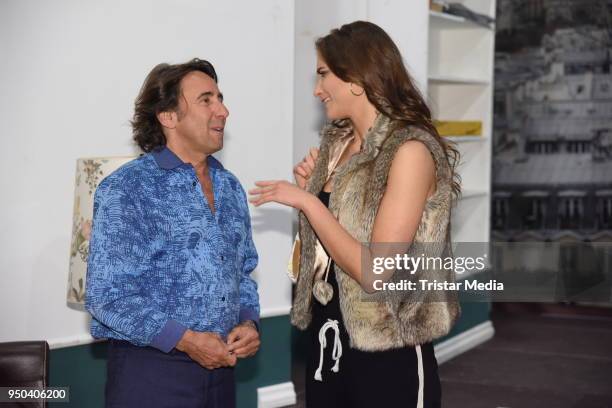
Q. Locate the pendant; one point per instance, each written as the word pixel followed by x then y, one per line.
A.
pixel 323 291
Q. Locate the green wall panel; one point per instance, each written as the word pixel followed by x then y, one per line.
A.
pixel 83 369
pixel 472 314
pixel 271 365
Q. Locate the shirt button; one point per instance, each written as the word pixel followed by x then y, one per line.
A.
pixel 222 258
pixel 193 184
pixel 223 298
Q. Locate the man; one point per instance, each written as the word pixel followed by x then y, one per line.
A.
pixel 171 253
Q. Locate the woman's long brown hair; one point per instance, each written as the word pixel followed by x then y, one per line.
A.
pixel 363 53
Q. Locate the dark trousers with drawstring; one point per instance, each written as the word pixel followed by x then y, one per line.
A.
pixel 389 378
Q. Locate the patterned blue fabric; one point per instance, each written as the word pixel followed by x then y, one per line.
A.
pixel 160 261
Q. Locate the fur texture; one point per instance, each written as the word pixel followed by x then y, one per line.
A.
pixel 359 185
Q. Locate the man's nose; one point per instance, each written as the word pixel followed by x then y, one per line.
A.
pixel 222 111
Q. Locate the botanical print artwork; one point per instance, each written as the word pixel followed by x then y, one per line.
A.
pixel 91 169
pixel 89 174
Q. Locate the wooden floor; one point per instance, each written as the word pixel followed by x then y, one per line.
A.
pixel 552 358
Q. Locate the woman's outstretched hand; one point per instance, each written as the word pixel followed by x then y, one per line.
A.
pixel 280 191
pixel 303 169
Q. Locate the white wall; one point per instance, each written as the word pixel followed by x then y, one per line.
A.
pixel 70 72
pixel 407 24
pixel 404 21
pixel 313 19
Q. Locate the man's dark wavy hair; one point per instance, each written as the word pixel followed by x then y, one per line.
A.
pixel 160 93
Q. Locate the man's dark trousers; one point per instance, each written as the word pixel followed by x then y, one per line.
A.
pixel 147 377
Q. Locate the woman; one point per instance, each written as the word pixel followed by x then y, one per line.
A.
pixel 382 175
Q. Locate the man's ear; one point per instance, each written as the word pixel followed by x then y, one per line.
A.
pixel 167 119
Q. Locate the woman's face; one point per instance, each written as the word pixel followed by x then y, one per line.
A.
pixel 333 92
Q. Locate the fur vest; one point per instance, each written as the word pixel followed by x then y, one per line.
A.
pixel 359 185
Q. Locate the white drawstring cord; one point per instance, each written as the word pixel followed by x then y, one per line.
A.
pixel 336 351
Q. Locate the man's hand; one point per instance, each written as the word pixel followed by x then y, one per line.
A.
pixel 207 349
pixel 243 340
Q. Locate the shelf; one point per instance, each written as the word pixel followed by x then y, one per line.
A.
pixel 456 80
pixel 473 193
pixel 450 18
pixel 448 21
pixel 465 139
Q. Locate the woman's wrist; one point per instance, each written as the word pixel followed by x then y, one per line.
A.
pixel 309 204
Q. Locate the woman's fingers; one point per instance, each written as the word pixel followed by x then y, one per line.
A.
pixel 263 187
pixel 264 183
pixel 312 156
pixel 299 169
pixel 314 153
pixel 280 191
pixel 306 166
pixel 309 162
pixel 262 199
pixel 263 193
pixel 260 190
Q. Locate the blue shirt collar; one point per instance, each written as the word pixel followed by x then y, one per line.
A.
pixel 166 159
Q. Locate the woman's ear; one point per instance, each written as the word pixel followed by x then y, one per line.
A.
pixel 356 89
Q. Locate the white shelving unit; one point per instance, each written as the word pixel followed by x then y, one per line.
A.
pixel 473 193
pixel 442 79
pixel 465 139
pixel 460 87
pixel 449 21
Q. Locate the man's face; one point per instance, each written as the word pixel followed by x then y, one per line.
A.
pixel 201 114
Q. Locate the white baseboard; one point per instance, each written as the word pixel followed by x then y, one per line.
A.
pixel 275 396
pixel 463 342
pixel 274 311
pixel 71 341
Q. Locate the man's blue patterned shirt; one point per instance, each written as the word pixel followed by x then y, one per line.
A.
pixel 161 261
